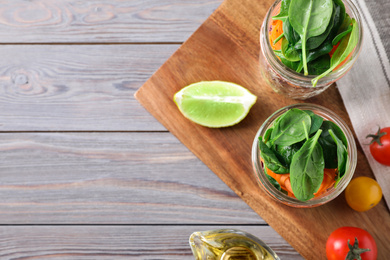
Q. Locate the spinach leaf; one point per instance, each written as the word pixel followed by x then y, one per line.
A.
pixel 327 45
pixel 309 18
pixel 341 35
pixel 307 169
pixel 316 121
pixel 290 127
pixel 319 65
pixel 329 149
pixel 289 52
pixel 283 13
pixel 346 46
pixel 279 38
pixel 267 134
pixel 329 125
pixel 342 156
pixel 270 160
pixel 324 48
pixel 339 19
pixel 346 23
pixel 278 53
pixel 291 35
pixel 299 67
pixel 285 153
pixel 328 144
pixel 290 64
pixel 316 41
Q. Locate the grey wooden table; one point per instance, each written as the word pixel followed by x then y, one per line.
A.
pixel 86 172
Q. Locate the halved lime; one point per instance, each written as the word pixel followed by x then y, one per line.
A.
pixel 214 103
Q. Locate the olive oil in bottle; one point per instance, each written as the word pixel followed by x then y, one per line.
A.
pixel 229 244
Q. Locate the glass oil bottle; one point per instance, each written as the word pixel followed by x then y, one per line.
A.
pixel 229 244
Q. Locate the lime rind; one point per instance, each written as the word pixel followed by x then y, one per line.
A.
pixel 215 103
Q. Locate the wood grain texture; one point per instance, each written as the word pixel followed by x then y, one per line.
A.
pixel 72 65
pixel 77 87
pixel 117 242
pixel 101 21
pixel 110 178
pixel 231 53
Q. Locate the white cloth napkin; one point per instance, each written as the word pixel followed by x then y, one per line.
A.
pixel 365 89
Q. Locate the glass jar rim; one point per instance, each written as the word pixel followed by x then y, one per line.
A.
pixel 333 192
pixel 299 78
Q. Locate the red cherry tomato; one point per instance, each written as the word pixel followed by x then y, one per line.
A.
pixel 347 243
pixel 380 146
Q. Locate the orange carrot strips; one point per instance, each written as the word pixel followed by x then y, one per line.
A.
pixel 276 31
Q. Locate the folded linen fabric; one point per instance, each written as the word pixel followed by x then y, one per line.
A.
pixel 365 89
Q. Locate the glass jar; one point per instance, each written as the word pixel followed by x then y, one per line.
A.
pixel 286 81
pixel 229 244
pixel 331 193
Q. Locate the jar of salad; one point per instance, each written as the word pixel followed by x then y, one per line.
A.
pixel 306 46
pixel 304 155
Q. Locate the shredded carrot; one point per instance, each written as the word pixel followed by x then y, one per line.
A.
pixel 276 31
pixel 277 176
pixel 284 178
pixel 285 182
pixel 329 181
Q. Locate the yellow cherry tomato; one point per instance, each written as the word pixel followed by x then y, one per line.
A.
pixel 363 193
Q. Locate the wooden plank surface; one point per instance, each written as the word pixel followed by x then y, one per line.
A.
pixel 77 87
pixel 75 183
pixel 102 21
pixel 226 48
pixel 111 178
pixel 116 242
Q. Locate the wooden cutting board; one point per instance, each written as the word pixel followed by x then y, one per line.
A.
pixel 226 47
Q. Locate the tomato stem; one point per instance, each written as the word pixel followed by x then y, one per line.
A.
pixel 376 137
pixel 355 251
